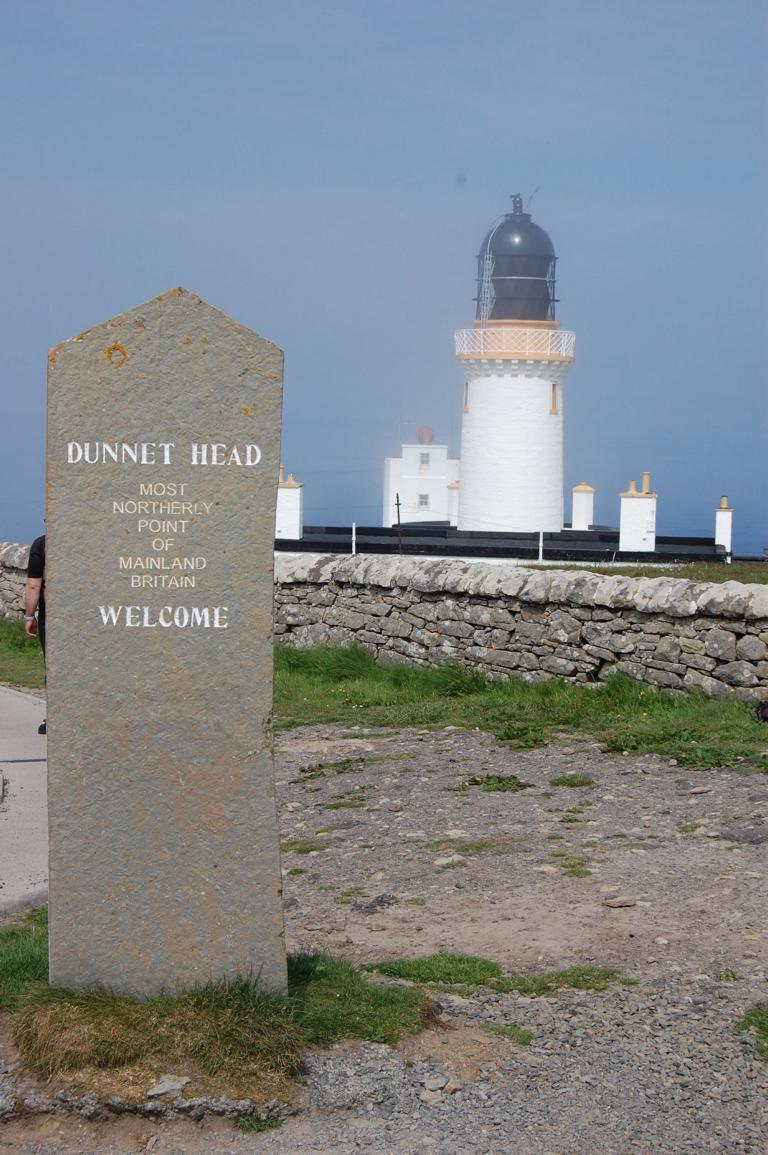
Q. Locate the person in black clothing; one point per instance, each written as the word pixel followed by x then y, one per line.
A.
pixel 34 598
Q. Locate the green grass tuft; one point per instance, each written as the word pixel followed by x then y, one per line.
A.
pixel 756 1022
pixel 582 978
pixel 463 972
pixel 335 1001
pixel 496 783
pixel 303 846
pixel 573 780
pixel 517 1034
pixel 21 659
pixel 442 968
pixel 23 956
pixel 476 846
pixel 252 1124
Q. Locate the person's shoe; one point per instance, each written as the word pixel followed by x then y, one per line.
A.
pixel 41 729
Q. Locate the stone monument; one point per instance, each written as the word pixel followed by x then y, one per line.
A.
pixel 163 456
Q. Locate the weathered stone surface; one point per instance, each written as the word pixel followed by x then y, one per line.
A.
pixel 751 649
pixel 558 666
pixel 738 674
pixel 668 649
pixel 163 836
pixel 694 680
pixel 662 677
pixel 563 628
pixel 720 644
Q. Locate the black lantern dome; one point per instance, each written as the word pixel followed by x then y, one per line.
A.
pixel 516 270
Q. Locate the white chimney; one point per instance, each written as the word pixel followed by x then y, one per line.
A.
pixel 637 526
pixel 453 503
pixel 582 506
pixel 724 525
pixel 289 517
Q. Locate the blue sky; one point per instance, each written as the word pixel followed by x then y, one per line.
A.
pixel 325 173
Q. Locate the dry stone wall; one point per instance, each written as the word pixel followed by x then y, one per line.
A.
pixel 13 574
pixel 512 622
pixel 507 621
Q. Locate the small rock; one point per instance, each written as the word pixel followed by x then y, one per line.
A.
pixel 546 869
pixel 701 790
pixel 661 941
pixel 452 1086
pixel 620 901
pixel 435 1082
pixel 430 1096
pixel 451 860
pixel 168 1085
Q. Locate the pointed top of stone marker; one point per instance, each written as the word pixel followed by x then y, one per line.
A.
pixel 178 303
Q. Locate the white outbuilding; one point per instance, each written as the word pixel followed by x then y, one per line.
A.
pixel 424 479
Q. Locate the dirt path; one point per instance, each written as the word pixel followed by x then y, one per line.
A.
pixel 658 871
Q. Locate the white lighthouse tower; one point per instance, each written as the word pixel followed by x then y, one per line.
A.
pixel 514 360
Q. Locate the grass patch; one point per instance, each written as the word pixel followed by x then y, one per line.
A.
pixel 306 846
pixel 463 972
pixel 478 846
pixel 333 1000
pixel 21 659
pixel 572 780
pixel 442 968
pixel 517 1034
pixel 495 783
pixel 23 956
pixel 690 827
pixel 332 685
pixel 756 1022
pixel 252 1124
pixel 349 802
pixel 238 1038
pixel 319 769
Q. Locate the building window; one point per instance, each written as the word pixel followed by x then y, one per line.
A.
pixel 423 459
pixel 554 407
pixel 423 501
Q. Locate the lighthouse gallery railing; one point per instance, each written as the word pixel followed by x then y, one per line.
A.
pixel 509 341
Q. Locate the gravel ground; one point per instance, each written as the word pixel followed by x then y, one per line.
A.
pixel 674 897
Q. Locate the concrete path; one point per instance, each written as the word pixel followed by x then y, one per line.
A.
pixel 23 802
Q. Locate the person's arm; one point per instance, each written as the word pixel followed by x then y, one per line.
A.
pixel 31 601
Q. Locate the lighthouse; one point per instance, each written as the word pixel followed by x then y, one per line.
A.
pixel 514 361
